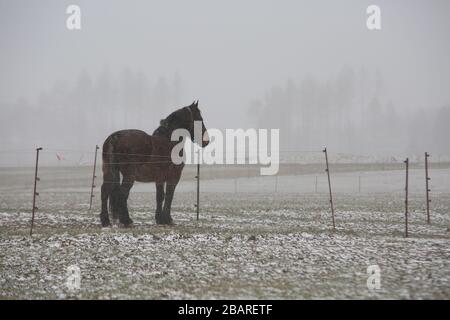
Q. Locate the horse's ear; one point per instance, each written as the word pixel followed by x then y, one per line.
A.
pixel 196 104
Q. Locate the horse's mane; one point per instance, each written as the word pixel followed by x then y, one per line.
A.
pixel 161 131
pixel 167 123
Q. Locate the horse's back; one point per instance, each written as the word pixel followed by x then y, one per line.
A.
pixel 130 141
pixel 124 138
pixel 136 146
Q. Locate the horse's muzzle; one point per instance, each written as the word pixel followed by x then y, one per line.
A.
pixel 205 141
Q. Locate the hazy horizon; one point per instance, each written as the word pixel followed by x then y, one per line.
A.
pixel 226 54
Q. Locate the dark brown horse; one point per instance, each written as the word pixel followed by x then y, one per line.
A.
pixel 144 158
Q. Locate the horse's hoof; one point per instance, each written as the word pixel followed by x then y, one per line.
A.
pixel 126 226
pixel 128 223
pixel 105 223
pixel 159 218
pixel 164 220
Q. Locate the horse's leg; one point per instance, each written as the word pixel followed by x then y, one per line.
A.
pixel 127 184
pixel 114 202
pixel 165 217
pixel 111 180
pixel 106 192
pixel 159 201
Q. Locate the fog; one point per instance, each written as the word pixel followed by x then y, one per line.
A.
pixel 310 68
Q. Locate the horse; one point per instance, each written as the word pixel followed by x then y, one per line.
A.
pixel 141 157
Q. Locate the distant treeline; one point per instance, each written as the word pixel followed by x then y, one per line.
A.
pixel 85 112
pixel 351 113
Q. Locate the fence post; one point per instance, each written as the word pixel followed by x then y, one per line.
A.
pixel 315 188
pixel 276 183
pixel 93 178
pixel 198 188
pixel 329 186
pixel 359 184
pixel 36 179
pixel 406 198
pixel 427 187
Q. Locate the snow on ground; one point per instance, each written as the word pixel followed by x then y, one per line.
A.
pixel 261 239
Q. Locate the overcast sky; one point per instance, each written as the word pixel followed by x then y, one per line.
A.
pixel 228 52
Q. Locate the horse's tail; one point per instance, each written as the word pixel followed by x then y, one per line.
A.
pixel 110 165
pixel 111 175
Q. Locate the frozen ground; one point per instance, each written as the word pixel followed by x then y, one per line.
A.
pixel 256 238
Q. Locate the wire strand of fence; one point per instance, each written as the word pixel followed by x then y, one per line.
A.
pixel 439 157
pixel 63 157
pixel 156 155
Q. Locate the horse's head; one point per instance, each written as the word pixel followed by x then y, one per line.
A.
pixel 194 115
pixel 185 118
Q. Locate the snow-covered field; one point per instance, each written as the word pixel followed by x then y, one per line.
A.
pixel 256 238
